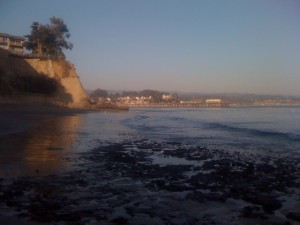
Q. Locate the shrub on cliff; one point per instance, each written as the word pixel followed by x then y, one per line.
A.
pixel 49 39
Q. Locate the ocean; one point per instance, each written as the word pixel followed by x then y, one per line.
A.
pixel 259 129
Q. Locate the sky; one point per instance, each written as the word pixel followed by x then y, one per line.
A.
pixel 209 46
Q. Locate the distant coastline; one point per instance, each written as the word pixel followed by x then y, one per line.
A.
pixel 163 99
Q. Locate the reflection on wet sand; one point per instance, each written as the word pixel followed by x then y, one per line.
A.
pixel 41 149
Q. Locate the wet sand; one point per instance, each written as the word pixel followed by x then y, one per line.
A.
pixel 139 181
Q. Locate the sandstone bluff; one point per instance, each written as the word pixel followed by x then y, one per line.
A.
pixel 15 88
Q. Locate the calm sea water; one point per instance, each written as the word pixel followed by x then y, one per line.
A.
pixel 259 129
pixel 49 148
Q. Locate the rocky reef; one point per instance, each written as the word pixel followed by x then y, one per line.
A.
pixel 146 182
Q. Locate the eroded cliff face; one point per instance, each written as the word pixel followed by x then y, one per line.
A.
pixel 14 88
pixel 64 72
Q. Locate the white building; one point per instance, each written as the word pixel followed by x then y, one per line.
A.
pixel 213 100
pixel 167 97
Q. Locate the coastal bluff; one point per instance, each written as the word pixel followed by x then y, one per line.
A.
pixel 64 72
pixel 45 81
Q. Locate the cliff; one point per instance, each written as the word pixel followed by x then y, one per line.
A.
pixel 65 74
pixel 40 80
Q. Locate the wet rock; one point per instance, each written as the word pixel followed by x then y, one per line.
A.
pixel 177 187
pixel 159 183
pixel 293 216
pixel 265 168
pixel 145 219
pixel 118 184
pixel 202 197
pixel 196 196
pixel 249 171
pixel 68 216
pixel 38 213
pixel 120 221
pixel 268 202
pixel 52 205
pixel 253 212
pixel 144 210
pixel 12 203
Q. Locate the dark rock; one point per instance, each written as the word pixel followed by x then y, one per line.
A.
pixel 196 196
pixel 12 193
pixel 52 205
pixel 202 197
pixel 12 203
pixel 253 212
pixel 120 221
pixel 248 172
pixel 176 187
pixel 268 202
pixel 293 216
pixel 93 191
pixel 23 214
pixel 40 214
pixel 159 183
pixel 68 216
pixel 265 168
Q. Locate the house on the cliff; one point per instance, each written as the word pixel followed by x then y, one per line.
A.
pixel 12 43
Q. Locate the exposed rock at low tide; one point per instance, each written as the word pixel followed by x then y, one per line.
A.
pixel 164 183
pixel 294 216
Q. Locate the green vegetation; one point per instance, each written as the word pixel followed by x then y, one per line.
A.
pixel 99 93
pixel 49 39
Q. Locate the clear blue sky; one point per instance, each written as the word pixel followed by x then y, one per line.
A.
pixel 248 46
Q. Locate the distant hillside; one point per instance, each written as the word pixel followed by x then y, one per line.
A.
pixel 36 80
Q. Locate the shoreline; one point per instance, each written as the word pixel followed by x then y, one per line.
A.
pixel 17 118
pixel 134 181
pixel 24 115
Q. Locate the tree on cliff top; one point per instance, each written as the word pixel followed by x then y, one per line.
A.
pixel 49 39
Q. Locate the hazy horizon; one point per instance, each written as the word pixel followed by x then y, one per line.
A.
pixel 120 91
pixel 186 46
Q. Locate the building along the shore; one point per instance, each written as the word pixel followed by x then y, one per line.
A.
pixel 12 43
